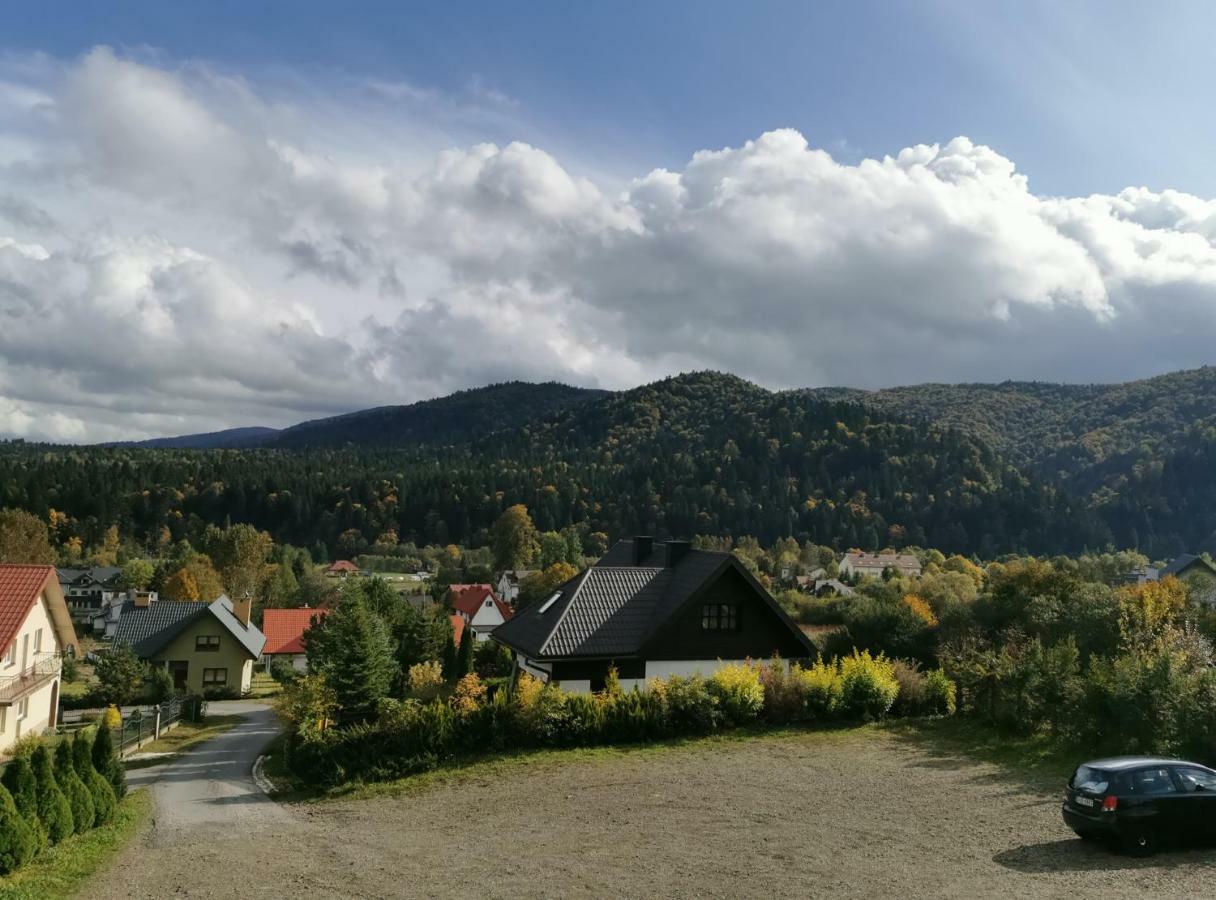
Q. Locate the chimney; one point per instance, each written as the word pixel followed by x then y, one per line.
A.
pixel 143 599
pixel 642 545
pixel 243 609
pixel 676 551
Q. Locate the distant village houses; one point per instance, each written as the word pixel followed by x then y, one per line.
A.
pixel 857 564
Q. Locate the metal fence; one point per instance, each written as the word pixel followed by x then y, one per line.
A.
pixel 139 723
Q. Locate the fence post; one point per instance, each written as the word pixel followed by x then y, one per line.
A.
pixel 156 728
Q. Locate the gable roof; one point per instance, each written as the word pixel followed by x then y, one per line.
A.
pixel 1184 562
pixel 99 574
pixel 343 565
pixel 615 610
pixel 470 600
pixel 284 628
pixel 149 628
pixel 20 588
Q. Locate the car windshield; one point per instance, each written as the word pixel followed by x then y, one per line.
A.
pixel 1092 781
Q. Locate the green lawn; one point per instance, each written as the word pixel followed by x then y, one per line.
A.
pixel 61 870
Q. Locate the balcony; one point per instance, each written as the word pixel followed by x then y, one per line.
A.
pixel 42 669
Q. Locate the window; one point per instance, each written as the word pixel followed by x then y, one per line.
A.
pixel 720 617
pixel 489 602
pixel 3 718
pixel 1153 781
pixel 1196 780
pixel 215 676
pixel 207 643
pixel 38 641
pixel 1092 781
pixel 10 658
pixel 23 708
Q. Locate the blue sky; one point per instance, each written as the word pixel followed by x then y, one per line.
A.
pixel 1086 96
pixel 260 213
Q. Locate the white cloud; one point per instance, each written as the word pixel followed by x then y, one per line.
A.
pixel 181 250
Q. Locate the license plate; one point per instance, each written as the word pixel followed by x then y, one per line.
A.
pixel 1083 801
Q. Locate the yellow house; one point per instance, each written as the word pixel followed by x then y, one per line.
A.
pixel 35 630
pixel 207 647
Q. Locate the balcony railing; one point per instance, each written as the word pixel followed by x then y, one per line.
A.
pixel 41 669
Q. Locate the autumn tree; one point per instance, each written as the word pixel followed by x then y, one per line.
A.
pixel 137 575
pixel 514 538
pixel 180 586
pixel 539 585
pixel 24 538
pixel 239 554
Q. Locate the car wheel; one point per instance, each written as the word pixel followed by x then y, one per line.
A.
pixel 1139 842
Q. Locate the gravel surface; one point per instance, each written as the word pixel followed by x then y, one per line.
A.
pixel 859 813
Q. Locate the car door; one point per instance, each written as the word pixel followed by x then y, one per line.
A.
pixel 1198 801
pixel 1159 797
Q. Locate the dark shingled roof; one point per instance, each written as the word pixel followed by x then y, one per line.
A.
pixel 149 628
pixel 1184 562
pixel 615 607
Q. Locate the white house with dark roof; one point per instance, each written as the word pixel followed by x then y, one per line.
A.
pixel 857 564
pixel 651 610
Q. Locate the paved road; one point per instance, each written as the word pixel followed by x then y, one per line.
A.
pixel 205 795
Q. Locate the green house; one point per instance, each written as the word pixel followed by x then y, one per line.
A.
pixel 207 647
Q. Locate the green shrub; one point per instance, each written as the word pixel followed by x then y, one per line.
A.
pixel 21 784
pixel 739 693
pixel 107 763
pixel 84 816
pixel 283 671
pixel 18 843
pixel 940 694
pixel 691 708
pixel 868 686
pixel 54 810
pixel 160 685
pixel 104 801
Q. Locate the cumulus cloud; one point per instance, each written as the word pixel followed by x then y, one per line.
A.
pixel 181 250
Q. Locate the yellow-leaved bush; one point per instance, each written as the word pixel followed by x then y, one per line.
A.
pixel 739 692
pixel 868 685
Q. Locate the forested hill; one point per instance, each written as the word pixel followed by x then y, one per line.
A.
pixel 697 454
pixel 459 417
pixel 232 437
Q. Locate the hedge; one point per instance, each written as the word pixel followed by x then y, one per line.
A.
pixel 411 736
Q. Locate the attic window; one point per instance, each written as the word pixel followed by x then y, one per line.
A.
pixel 550 602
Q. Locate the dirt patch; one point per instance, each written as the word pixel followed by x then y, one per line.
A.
pixel 860 813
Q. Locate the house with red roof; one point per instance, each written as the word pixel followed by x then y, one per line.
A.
pixel 284 630
pixel 480 607
pixel 342 568
pixel 35 631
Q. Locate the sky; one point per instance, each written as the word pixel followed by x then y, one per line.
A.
pixel 252 213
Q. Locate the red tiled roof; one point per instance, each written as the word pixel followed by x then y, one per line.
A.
pixel 20 587
pixel 343 565
pixel 457 628
pixel 285 627
pixel 471 599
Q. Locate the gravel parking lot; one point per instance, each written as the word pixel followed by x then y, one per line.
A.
pixel 860 813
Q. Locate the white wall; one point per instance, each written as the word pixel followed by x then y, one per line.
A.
pixel 686 667
pixel 487 616
pixel 246 675
pixel 39 705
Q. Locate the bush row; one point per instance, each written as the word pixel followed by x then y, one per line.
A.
pixel 45 797
pixel 414 735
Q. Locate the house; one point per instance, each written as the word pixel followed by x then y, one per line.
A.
pixel 35 631
pixel 342 568
pixel 480 607
pixel 204 646
pixel 831 587
pixel 651 609
pixel 83 589
pixel 508 584
pixel 857 564
pixel 1199 575
pixel 284 630
pixel 1142 575
pixel 105 619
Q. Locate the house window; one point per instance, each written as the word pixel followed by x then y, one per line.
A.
pixel 38 640
pixel 720 617
pixel 23 708
pixel 3 718
pixel 207 643
pixel 215 676
pixel 10 658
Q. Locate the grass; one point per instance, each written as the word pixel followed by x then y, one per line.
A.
pixel 61 870
pixel 183 737
pixel 77 688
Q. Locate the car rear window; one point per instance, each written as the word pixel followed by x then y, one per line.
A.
pixel 1092 781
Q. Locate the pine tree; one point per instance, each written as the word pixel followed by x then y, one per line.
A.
pixel 450 657
pixel 19 780
pixel 84 815
pixel 107 763
pixel 104 801
pixel 18 844
pixel 54 810
pixel 352 649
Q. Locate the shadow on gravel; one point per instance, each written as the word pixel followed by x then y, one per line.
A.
pixel 1076 855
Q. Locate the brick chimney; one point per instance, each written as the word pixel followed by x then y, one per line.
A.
pixel 243 609
pixel 143 599
pixel 642 545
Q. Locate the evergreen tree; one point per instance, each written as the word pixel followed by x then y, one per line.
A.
pixel 19 780
pixel 18 844
pixel 352 649
pixel 84 815
pixel 464 662
pixel 104 800
pixel 54 810
pixel 107 763
pixel 451 656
